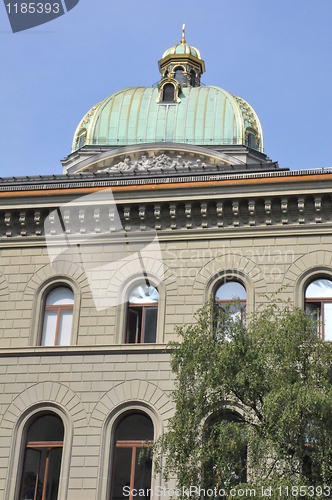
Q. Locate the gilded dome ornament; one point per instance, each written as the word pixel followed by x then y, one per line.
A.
pixel 183 41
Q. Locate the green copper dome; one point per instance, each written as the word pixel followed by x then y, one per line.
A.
pixel 183 48
pixel 205 115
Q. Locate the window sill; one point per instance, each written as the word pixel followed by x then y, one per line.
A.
pixel 86 350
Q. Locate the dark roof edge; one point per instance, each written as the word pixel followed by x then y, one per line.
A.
pixel 106 179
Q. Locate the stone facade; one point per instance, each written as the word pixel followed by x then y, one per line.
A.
pixel 92 381
pixel 195 216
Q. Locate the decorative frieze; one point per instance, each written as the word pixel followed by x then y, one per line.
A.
pixel 182 215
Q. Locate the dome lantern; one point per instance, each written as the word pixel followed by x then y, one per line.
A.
pixel 180 66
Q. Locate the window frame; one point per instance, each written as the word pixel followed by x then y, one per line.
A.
pixel 60 308
pixel 38 305
pixel 134 445
pixel 319 300
pixel 168 101
pixel 180 70
pixel 17 450
pixel 242 302
pixel 37 445
pixel 143 306
pixel 231 274
pixel 121 316
pixel 227 414
pixel 140 333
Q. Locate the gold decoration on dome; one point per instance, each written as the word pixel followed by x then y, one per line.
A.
pixel 183 41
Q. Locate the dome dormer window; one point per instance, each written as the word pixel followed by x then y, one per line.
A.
pixel 168 93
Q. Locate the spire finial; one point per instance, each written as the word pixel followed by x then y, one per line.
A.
pixel 183 41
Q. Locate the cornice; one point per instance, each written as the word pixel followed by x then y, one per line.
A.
pixel 104 219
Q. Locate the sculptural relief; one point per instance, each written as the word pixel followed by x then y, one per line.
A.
pixel 161 163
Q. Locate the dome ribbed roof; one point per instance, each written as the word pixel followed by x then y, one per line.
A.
pixel 182 48
pixel 205 115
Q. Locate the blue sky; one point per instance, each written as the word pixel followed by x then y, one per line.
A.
pixel 276 54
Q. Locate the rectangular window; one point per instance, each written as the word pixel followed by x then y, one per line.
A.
pixel 142 324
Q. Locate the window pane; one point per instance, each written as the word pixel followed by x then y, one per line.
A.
pixel 66 320
pixel 168 93
pixel 144 294
pixel 252 141
pixel 30 474
pixel 237 312
pixel 50 320
pixel 143 468
pixel 314 309
pixel 46 428
pixel 179 76
pixel 59 296
pixel 231 290
pixel 121 472
pixel 53 474
pixel 319 289
pixel 150 327
pixel 327 321
pixel 136 426
pixel 134 320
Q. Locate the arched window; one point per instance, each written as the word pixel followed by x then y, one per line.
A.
pixel 42 460
pixel 168 93
pixel 229 291
pixel 131 469
pixel 318 301
pixel 142 315
pixel 225 463
pixel 58 317
pixel 179 76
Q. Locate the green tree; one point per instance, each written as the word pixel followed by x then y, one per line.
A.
pixel 253 402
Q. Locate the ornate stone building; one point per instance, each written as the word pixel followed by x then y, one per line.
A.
pixel 166 198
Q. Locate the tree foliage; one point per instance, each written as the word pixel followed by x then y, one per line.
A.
pixel 253 401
